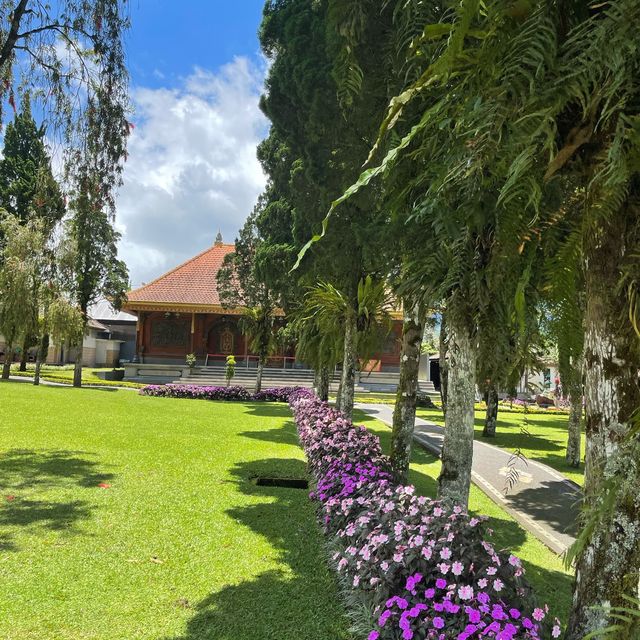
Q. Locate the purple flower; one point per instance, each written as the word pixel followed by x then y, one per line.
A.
pixel 441 583
pixel 374 635
pixel 438 622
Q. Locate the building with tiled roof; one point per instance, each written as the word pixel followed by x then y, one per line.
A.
pixel 180 313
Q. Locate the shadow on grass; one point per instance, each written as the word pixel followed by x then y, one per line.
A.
pixel 27 470
pixel 296 600
pixel 269 409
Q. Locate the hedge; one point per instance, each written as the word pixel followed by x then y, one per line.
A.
pixel 412 568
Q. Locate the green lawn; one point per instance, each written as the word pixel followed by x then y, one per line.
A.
pixel 544 568
pixel 180 545
pixel 545 439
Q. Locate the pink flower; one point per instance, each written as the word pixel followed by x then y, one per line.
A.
pixel 445 553
pixel 538 614
pixel 465 592
pixel 444 567
pixel 555 632
pixel 456 568
pixel 498 584
pixel 438 622
pixel 482 583
pixel 491 571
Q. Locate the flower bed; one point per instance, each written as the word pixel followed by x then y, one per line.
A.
pixel 236 393
pixel 413 568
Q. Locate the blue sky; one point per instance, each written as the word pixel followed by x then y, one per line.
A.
pixel 168 37
pixel 196 78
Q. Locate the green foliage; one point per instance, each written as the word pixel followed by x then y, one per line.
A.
pixel 65 323
pixel 230 369
pixel 191 360
pixel 21 264
pixel 27 185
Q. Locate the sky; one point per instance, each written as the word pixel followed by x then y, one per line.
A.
pixel 196 78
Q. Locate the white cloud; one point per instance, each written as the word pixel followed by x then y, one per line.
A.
pixel 192 167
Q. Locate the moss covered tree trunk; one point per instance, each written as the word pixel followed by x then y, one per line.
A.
pixel 347 386
pixel 608 564
pixel 457 449
pixel 404 413
pixel 491 417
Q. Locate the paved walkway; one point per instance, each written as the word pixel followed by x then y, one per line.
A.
pixel 543 501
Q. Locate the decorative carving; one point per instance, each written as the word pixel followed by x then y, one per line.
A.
pixel 170 332
pixel 226 341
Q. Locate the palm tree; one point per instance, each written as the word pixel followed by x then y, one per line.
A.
pixel 363 326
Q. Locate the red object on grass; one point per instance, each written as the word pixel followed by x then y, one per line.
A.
pixel 10 498
pixel 104 485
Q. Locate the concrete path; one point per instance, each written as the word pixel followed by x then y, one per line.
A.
pixel 542 500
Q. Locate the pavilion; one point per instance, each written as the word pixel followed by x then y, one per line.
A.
pixel 181 313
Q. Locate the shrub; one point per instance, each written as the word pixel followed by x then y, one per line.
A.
pixel 413 568
pixel 238 393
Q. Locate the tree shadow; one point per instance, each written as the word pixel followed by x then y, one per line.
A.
pixel 296 600
pixel 40 471
pixel 548 503
pixel 284 434
pixel 269 409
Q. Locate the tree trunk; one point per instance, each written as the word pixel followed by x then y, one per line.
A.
pixel 491 418
pixel 77 369
pixel 444 366
pixel 457 447
pixel 24 355
pixel 348 368
pixel 43 350
pixel 8 359
pixel 404 414
pixel 610 556
pixel 259 372
pixel 323 384
pixel 339 391
pixel 575 392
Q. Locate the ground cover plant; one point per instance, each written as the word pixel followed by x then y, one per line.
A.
pixel 128 517
pixel 413 567
pixel 236 392
pixel 538 437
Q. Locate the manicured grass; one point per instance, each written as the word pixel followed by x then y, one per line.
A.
pixel 539 437
pixel 64 375
pixel 180 545
pixel 544 568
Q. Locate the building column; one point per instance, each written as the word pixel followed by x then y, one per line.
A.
pixel 193 331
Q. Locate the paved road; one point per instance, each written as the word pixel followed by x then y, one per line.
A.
pixel 542 500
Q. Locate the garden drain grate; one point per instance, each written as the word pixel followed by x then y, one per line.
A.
pixel 289 483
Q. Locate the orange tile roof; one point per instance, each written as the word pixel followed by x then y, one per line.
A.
pixel 191 283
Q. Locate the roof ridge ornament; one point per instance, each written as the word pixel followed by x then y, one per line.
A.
pixel 218 241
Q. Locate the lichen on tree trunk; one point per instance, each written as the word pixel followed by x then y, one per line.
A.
pixel 404 413
pixel 491 417
pixel 457 448
pixel 348 367
pixel 608 563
